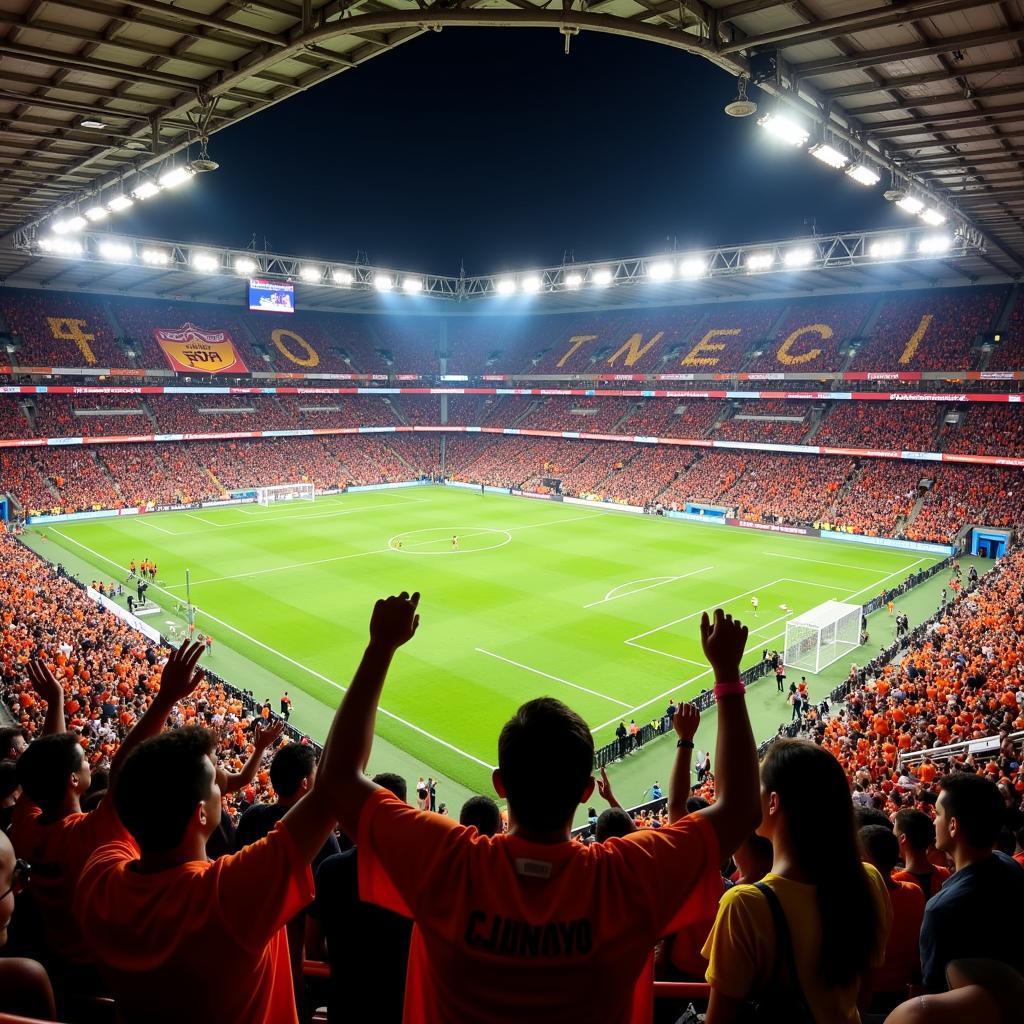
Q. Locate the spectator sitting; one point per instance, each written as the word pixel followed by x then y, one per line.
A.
pixel 483 814
pixel 902 966
pixel 835 907
pixel 960 920
pixel 528 924
pixel 13 742
pixel 980 991
pixel 157 922
pixel 363 941
pixel 24 986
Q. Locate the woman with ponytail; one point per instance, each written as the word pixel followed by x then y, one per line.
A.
pixel 797 946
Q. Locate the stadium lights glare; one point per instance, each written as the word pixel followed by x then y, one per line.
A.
pixel 342 277
pixel 531 284
pixel 886 248
pixel 175 176
pixel 205 262
pixel 244 265
pixel 662 270
pixel 863 174
pixel 760 261
pixel 155 257
pixel 602 277
pixel 412 285
pixel 382 282
pixel 798 257
pixel 910 204
pixel 67 224
pixel 505 286
pixel 933 218
pixel 118 203
pixel 829 155
pixel 92 123
pixel 145 190
pixel 310 274
pixel 784 129
pixel 118 252
pixel 934 245
pixel 61 246
pixel 96 213
pixel 694 267
pixel 573 280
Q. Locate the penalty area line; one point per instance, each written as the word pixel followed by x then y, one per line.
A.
pixel 292 661
pixel 547 675
pixel 659 581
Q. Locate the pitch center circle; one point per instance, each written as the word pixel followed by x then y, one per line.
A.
pixel 439 540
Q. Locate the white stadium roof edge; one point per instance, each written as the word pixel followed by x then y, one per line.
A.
pixel 102 98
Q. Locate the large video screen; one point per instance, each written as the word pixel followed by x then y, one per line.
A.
pixel 271 296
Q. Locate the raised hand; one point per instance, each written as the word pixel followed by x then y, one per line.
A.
pixel 723 641
pixel 44 682
pixel 394 620
pixel 604 789
pixel 180 676
pixel 267 733
pixel 685 721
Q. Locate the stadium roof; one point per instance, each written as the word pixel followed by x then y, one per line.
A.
pixel 92 91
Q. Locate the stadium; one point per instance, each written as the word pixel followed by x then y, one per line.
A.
pixel 291 533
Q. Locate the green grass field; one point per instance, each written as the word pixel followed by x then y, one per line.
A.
pixel 597 608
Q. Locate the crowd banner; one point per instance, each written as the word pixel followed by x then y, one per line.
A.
pixel 190 349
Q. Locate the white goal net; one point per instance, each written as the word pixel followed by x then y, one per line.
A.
pixel 822 636
pixel 285 492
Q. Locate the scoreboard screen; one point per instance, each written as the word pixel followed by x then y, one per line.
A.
pixel 271 296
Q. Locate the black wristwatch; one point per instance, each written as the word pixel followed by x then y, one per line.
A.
pixel 684 743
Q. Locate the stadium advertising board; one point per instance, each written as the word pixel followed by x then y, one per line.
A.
pixel 193 350
pixel 271 296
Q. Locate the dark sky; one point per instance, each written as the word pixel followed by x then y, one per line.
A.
pixel 492 148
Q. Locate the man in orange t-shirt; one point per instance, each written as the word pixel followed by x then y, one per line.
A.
pixel 902 964
pixel 182 937
pixel 916 835
pixel 528 925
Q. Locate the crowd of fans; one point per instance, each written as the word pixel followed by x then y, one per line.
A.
pixel 774 422
pixel 962 494
pixel 995 429
pixel 160 820
pixel 910 426
pixel 884 495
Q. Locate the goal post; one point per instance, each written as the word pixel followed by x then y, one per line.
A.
pixel 822 636
pixel 266 496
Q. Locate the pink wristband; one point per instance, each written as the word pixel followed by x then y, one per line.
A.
pixel 736 689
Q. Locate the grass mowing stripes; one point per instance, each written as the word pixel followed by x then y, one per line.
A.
pixel 597 608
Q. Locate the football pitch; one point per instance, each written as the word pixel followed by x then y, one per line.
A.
pixel 597 608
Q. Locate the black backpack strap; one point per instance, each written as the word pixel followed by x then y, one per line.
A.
pixel 784 942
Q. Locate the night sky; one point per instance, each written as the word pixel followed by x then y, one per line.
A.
pixel 492 149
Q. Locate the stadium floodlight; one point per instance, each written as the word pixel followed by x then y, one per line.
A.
pixel 934 245
pixel 760 260
pixel 798 257
pixel 175 176
pixel 342 277
pixel 933 218
pixel 531 284
pixel 117 252
pixel 412 285
pixel 785 129
pixel 829 155
pixel 382 282
pixel 886 248
pixel 602 277
pixel 505 285
pixel 155 257
pixel 910 204
pixel 61 246
pixel 693 267
pixel 573 280
pixel 244 265
pixel 864 174
pixel 68 224
pixel 145 190
pixel 119 202
pixel 96 213
pixel 205 262
pixel 90 122
pixel 311 274
pixel 661 270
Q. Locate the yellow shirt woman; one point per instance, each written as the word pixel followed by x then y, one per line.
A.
pixel 741 950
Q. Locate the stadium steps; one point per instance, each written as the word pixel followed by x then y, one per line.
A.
pixel 726 413
pixel 768 339
pixel 396 408
pixel 102 467
pixel 912 514
pixel 216 482
pixel 1001 321
pixel 866 328
pixel 634 407
pixel 815 420
pixel 148 410
pixel 118 331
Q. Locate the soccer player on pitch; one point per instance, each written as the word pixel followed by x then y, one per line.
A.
pixel 754 602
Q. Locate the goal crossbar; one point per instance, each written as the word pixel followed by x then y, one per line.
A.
pixel 285 492
pixel 820 637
